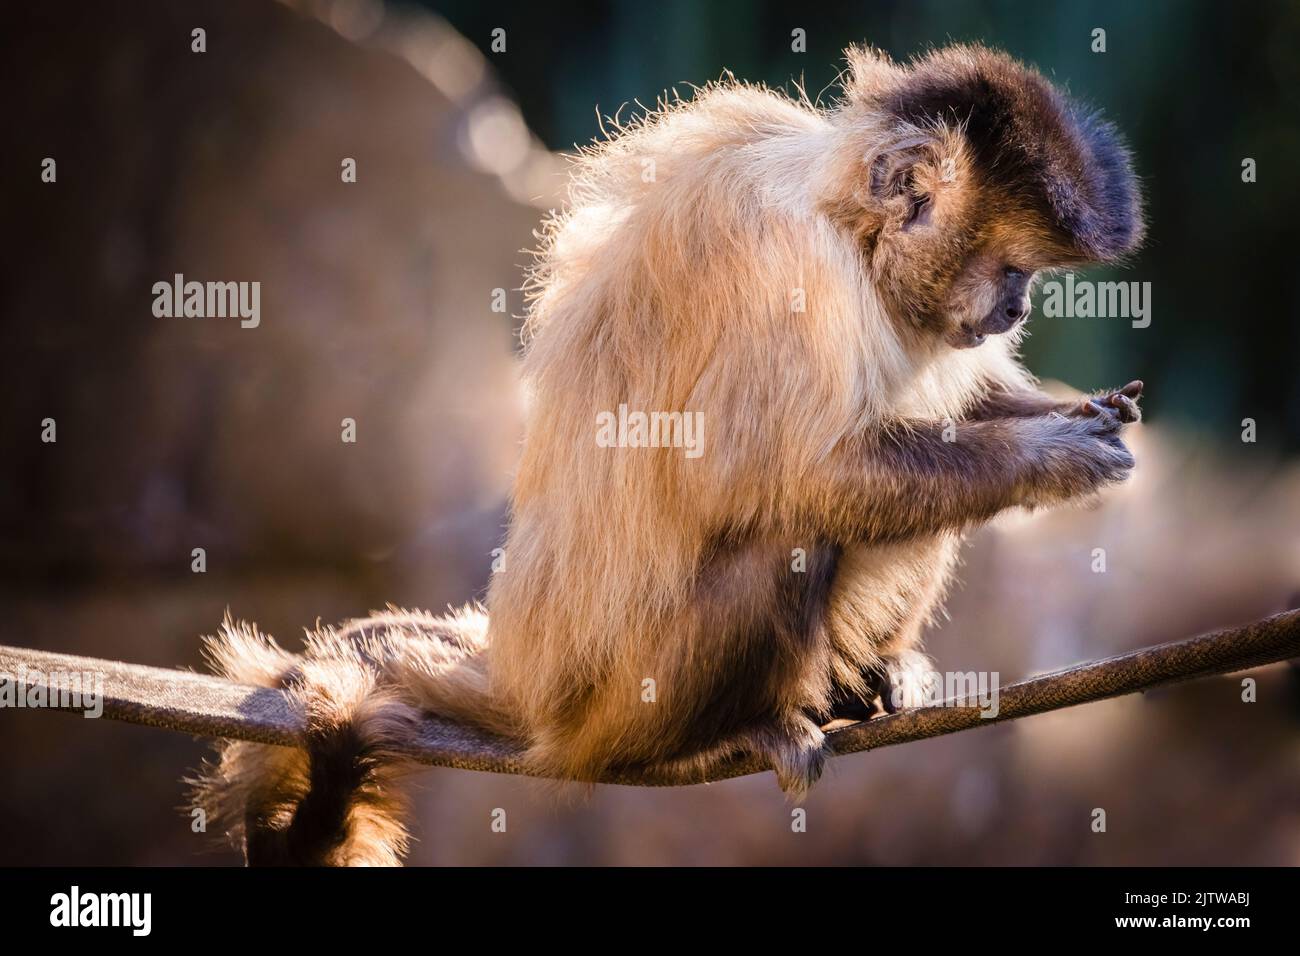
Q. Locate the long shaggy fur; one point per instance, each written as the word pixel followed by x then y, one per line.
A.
pixel 783 577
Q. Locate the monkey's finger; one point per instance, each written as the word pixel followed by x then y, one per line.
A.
pixel 1133 389
pixel 1125 406
pixel 1102 420
pixel 1100 405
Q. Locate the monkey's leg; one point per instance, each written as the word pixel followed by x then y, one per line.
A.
pixel 745 670
pixel 883 600
pixel 794 746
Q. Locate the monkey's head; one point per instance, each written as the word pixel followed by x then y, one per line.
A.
pixel 970 173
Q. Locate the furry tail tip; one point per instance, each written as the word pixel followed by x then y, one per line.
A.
pixel 336 802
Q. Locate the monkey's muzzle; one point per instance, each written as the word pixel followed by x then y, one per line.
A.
pixel 1001 319
pixel 1004 317
pixel 1012 308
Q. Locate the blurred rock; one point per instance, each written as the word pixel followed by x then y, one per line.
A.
pixel 176 433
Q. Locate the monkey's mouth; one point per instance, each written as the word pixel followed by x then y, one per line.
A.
pixel 1003 318
pixel 966 336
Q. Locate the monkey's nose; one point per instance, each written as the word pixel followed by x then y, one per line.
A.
pixel 1017 310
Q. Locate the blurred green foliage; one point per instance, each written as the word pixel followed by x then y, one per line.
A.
pixel 1196 86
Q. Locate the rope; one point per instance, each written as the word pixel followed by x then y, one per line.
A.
pixel 210 707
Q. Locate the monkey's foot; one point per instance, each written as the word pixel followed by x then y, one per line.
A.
pixel 849 708
pixel 797 752
pixel 901 681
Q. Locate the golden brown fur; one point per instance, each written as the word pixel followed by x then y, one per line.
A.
pixel 788 570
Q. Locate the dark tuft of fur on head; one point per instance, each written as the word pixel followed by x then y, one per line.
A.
pixel 1028 136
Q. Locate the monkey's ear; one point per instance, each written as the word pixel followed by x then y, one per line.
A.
pixel 891 169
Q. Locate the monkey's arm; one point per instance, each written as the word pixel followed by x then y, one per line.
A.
pixel 1001 401
pixel 907 480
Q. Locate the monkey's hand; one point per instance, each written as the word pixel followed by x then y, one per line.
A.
pixel 1076 455
pixel 1121 404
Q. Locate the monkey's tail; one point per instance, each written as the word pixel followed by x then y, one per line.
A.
pixel 362 689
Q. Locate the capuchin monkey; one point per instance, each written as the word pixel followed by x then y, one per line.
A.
pixel 835 296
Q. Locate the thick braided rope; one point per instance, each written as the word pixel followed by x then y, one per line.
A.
pixel 210 707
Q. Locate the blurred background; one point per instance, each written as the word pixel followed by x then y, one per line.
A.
pixel 380 303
